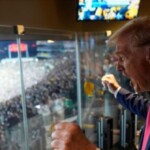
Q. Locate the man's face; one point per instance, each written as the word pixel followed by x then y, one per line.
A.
pixel 132 63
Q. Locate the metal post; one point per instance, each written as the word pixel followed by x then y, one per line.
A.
pixel 100 128
pixel 25 121
pixel 136 120
pixel 78 82
pixel 125 121
pixel 122 130
pixel 102 132
pixel 99 133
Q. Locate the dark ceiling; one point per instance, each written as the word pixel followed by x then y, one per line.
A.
pixel 55 14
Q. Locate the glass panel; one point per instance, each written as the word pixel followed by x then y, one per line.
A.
pixel 10 95
pixel 91 46
pixel 49 88
pixel 49 75
pixel 96 60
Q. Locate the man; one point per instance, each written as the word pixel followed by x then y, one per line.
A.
pixel 132 43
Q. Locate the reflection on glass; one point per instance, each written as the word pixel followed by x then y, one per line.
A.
pixel 49 74
pixel 97 60
pixel 50 83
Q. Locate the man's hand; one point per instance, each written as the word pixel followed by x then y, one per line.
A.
pixel 109 81
pixel 69 136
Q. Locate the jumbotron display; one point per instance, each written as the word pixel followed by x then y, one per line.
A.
pixel 107 9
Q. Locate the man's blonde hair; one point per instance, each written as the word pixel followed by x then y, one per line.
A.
pixel 137 31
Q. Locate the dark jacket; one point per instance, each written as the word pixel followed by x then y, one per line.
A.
pixel 136 104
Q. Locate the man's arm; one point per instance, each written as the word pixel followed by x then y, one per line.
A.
pixel 132 101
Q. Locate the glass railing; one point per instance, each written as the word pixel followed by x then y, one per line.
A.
pixel 49 76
